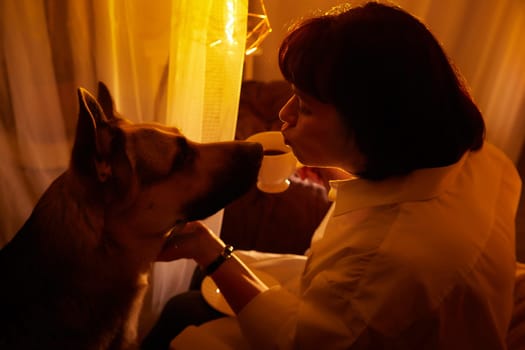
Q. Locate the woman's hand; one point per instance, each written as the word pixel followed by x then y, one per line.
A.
pixel 193 241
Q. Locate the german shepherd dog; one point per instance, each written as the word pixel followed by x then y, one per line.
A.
pixel 75 274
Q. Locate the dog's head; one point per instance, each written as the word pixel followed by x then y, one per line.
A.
pixel 149 177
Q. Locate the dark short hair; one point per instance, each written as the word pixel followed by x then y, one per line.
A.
pixel 391 81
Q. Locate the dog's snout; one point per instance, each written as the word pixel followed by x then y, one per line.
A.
pixel 258 147
pixel 250 154
pixel 249 158
pixel 256 150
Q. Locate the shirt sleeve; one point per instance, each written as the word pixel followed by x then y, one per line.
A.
pixel 269 321
pixel 340 308
pixel 279 319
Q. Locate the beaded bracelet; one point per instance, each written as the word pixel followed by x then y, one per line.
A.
pixel 215 264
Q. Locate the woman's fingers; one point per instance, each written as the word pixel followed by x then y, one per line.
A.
pixel 187 242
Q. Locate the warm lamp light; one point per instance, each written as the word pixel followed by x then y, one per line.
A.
pixel 258 28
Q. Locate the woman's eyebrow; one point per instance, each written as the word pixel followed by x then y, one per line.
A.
pixel 299 93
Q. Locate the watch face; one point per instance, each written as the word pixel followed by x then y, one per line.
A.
pixel 223 256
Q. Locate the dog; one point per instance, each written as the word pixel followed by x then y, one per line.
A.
pixel 74 276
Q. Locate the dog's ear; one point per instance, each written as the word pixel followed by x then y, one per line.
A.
pixel 105 100
pixel 92 145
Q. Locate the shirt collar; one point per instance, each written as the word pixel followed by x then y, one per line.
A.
pixel 419 185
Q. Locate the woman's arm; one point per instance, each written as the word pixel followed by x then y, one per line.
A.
pixel 237 282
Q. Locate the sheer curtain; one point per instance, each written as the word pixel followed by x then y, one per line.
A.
pixel 177 62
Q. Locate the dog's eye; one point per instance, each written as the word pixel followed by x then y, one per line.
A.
pixel 185 153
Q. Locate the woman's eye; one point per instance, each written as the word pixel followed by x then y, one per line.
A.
pixel 303 109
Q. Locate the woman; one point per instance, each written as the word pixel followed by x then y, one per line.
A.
pixel 417 252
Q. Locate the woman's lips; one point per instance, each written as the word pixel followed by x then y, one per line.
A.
pixel 284 126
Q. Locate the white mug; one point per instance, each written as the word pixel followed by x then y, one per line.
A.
pixel 278 163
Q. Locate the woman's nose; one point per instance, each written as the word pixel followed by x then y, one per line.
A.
pixel 288 113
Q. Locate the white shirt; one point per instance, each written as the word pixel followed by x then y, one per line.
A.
pixel 424 261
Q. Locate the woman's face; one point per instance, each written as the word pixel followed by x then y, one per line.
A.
pixel 317 134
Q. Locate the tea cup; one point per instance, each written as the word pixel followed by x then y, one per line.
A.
pixel 278 163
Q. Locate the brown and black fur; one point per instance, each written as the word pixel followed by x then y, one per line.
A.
pixel 75 274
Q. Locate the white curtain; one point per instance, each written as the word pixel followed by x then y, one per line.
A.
pixel 177 62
